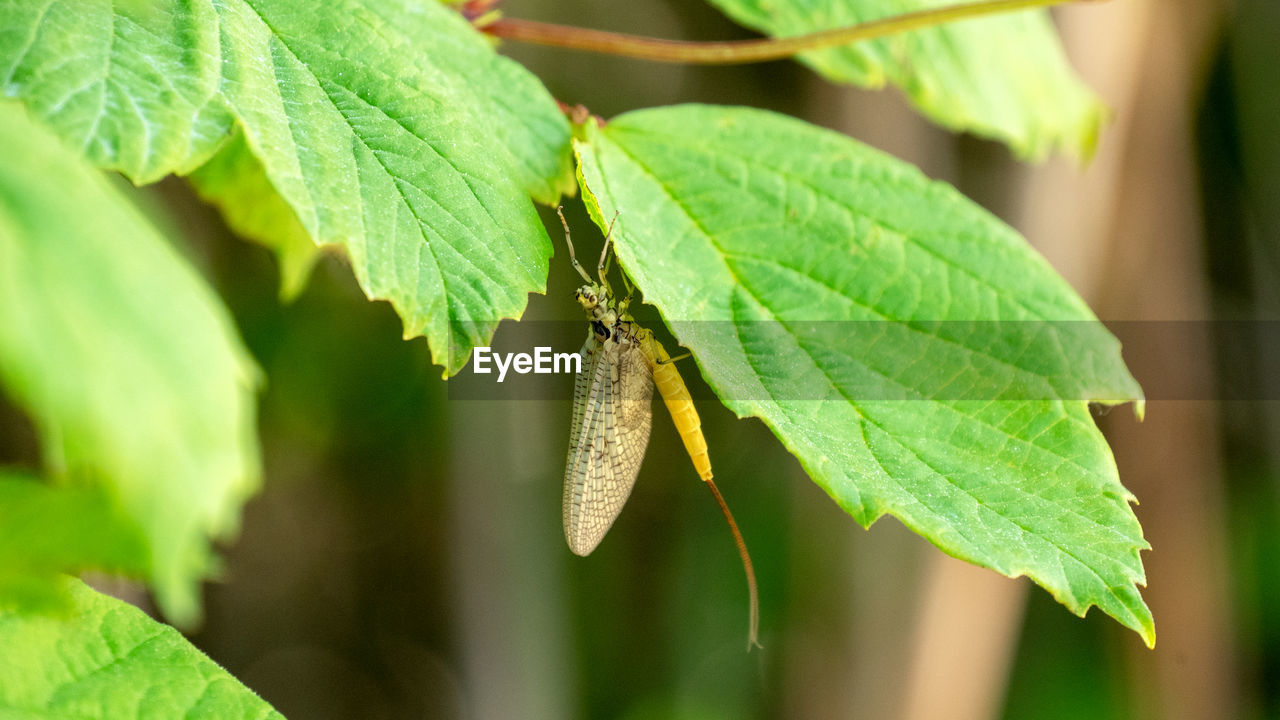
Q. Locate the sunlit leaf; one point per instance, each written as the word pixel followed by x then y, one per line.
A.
pixel 107 659
pixel 1004 77
pixel 46 531
pixel 915 354
pixel 129 366
pixel 390 127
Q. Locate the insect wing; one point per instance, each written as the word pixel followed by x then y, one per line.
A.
pixel 612 413
pixel 581 387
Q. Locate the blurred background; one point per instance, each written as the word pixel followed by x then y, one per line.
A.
pixel 406 558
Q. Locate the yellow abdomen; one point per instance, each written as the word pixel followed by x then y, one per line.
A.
pixel 676 395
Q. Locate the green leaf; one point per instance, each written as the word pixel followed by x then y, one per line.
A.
pixel 910 349
pixel 46 531
pixel 1003 77
pixel 129 366
pixel 234 182
pixel 109 660
pixel 390 127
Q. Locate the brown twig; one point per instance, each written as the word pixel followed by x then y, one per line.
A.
pixel 742 51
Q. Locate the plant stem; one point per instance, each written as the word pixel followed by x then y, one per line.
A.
pixel 743 51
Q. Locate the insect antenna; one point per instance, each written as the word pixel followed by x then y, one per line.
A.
pixel 569 241
pixel 753 634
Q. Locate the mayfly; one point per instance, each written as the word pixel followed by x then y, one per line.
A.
pixel 613 413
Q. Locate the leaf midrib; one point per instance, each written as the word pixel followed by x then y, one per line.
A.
pixel 756 298
pixel 858 408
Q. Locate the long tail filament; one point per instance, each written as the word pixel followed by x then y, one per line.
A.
pixel 754 632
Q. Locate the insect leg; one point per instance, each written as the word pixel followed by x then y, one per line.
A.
pixel 602 268
pixel 664 361
pixel 626 283
pixel 569 242
pixel 626 300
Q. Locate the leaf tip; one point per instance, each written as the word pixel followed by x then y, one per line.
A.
pixel 180 603
pixel 1097 117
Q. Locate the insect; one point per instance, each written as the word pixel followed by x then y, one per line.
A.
pixel 613 413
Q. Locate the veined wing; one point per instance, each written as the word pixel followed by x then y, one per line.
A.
pixel 581 386
pixel 612 416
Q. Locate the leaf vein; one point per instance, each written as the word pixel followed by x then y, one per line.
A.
pixel 29 43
